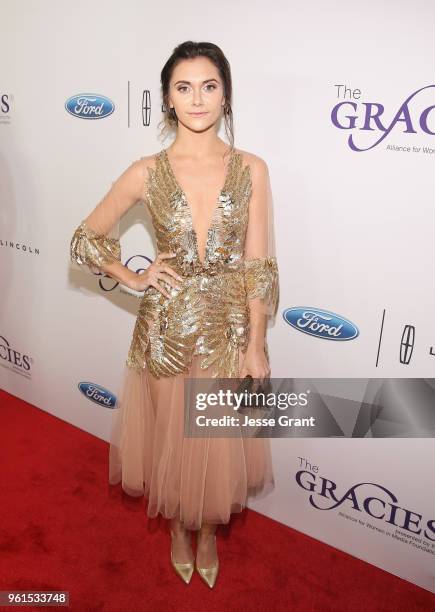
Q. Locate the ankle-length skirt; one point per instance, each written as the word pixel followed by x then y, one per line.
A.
pixel 195 479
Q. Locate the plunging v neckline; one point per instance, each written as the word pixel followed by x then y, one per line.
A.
pixel 189 208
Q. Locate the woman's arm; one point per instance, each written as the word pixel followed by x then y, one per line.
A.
pixel 261 268
pixel 95 244
pixel 261 271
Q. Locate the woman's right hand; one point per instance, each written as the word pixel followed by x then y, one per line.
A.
pixel 158 271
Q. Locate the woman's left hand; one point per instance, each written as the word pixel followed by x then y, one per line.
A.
pixel 255 363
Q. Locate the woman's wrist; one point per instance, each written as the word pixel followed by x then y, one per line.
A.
pixel 121 274
pixel 256 342
pixel 132 281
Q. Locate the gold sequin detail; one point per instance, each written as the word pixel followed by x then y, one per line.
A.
pixel 262 281
pixel 209 314
pixel 89 248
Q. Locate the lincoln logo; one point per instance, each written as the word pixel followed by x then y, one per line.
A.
pixel 146 107
pixel 373 499
pixel 407 344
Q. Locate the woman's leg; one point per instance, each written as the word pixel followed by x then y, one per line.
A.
pixel 181 542
pixel 206 551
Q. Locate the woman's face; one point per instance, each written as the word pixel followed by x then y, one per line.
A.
pixel 196 87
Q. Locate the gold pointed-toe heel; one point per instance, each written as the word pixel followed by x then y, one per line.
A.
pixel 184 570
pixel 209 574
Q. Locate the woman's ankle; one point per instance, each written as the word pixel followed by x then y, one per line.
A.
pixel 177 528
pixel 207 533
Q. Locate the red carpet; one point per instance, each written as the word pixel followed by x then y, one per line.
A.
pixel 64 528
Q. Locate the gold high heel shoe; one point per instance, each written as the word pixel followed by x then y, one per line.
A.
pixel 184 570
pixel 209 574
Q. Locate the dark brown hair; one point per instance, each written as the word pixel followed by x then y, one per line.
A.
pixel 188 50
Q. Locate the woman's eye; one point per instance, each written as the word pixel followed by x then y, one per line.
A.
pixel 184 87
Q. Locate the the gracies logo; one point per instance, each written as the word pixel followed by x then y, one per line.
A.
pixel 376 501
pixel 320 323
pixel 89 106
pixel 346 114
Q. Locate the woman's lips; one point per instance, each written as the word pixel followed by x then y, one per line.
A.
pixel 198 114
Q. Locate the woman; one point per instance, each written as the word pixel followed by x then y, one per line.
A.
pixel 207 298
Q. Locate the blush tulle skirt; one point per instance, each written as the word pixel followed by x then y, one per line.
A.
pixel 198 480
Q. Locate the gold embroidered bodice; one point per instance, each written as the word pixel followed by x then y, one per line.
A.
pixel 209 314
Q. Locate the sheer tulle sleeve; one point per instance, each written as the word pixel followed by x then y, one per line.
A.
pixel 261 268
pixel 95 241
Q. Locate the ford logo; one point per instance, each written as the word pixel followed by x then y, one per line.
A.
pixel 320 323
pixel 98 394
pixel 89 106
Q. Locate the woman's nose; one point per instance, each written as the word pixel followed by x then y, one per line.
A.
pixel 197 96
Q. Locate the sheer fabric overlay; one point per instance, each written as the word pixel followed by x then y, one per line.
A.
pixel 200 480
pixel 261 268
pixel 96 240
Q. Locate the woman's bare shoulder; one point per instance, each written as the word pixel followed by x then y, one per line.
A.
pixel 256 163
pixel 135 176
pixel 149 161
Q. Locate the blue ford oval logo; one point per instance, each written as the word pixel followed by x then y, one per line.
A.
pixel 89 106
pixel 320 323
pixel 98 394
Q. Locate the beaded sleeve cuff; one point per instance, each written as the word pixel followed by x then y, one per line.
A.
pixel 262 280
pixel 93 249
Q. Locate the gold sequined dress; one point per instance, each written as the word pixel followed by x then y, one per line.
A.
pixel 201 331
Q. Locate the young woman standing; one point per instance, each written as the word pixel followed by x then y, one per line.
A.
pixel 208 297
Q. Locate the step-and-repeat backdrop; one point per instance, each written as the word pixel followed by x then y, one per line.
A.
pixel 339 102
